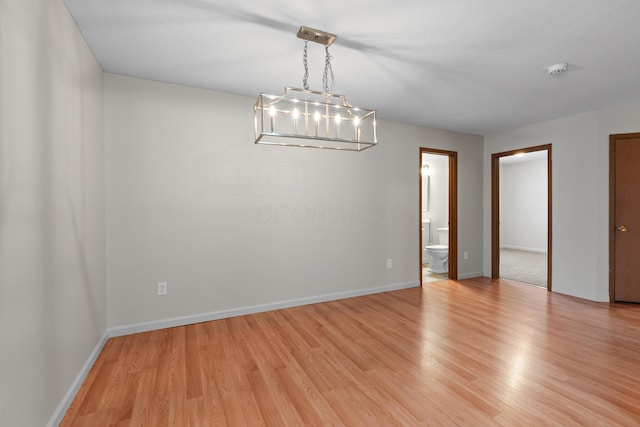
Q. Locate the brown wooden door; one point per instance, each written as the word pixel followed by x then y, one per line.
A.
pixel 625 153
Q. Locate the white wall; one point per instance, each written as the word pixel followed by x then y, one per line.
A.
pixel 228 224
pixel 523 205
pixel 580 194
pixel 52 257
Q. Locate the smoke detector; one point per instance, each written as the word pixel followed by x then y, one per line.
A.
pixel 557 68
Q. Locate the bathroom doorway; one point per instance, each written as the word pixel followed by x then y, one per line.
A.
pixel 438 215
pixel 521 215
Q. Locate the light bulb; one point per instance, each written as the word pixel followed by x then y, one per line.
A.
pixel 295 114
pixel 316 116
pixel 272 112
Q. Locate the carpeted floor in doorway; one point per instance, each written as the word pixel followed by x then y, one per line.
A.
pixel 524 266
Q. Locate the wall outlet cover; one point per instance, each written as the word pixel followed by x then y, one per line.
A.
pixel 162 288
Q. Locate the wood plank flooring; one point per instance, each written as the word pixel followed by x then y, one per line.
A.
pixel 474 352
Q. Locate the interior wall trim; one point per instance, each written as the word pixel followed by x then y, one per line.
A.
pixel 470 275
pixel 223 314
pixel 523 248
pixel 495 209
pixel 453 210
pixel 66 401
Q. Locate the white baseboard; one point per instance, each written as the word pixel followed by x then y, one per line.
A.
pixel 62 408
pixel 223 314
pixel 521 248
pixel 469 275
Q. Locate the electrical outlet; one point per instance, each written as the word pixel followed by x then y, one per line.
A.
pixel 389 263
pixel 162 288
pixel 466 255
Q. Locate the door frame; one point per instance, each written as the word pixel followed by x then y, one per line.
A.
pixel 612 208
pixel 453 208
pixel 495 208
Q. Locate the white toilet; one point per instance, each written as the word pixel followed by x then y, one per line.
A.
pixel 439 254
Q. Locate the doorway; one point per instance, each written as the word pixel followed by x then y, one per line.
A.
pixel 428 229
pixel 624 211
pixel 521 215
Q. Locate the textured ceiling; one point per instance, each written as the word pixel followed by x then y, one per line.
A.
pixel 466 65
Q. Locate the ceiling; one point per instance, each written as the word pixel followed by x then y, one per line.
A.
pixel 465 65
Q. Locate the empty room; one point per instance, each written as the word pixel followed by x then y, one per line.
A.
pixel 247 213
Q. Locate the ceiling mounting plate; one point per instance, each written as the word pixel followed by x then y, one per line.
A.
pixel 316 36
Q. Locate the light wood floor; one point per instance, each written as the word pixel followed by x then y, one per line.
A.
pixel 473 352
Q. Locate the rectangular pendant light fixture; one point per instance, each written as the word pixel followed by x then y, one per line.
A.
pixel 314 119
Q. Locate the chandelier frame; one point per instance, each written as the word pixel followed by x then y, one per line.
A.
pixel 302 117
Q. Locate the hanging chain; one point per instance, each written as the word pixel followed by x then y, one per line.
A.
pixel 328 72
pixel 327 86
pixel 305 62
